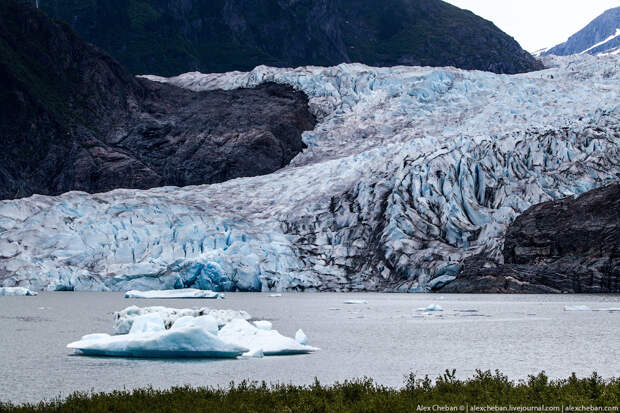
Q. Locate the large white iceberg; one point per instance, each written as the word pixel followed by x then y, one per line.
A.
pixel 409 171
pixel 179 293
pixel 123 320
pixel 16 291
pixel 192 336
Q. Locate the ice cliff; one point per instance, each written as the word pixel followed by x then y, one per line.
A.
pixel 409 171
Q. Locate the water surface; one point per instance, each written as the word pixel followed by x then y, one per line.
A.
pixel 385 339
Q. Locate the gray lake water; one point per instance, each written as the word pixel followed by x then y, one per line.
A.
pixel 385 339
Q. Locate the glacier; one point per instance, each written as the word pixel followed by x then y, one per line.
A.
pixel 409 171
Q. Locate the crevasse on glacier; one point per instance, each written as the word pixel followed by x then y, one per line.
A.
pixel 409 171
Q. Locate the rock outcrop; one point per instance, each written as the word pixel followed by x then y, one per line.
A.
pixel 569 245
pixel 71 118
pixel 169 37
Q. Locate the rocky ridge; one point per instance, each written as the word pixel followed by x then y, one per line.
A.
pixel 571 245
pixel 71 118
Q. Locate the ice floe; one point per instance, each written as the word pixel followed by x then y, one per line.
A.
pixel 16 291
pixel 577 308
pixel 178 333
pixel 586 308
pixel 179 293
pixel 355 302
pixel 431 308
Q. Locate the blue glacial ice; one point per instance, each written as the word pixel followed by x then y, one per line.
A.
pixel 154 334
pixel 409 171
pixel 186 342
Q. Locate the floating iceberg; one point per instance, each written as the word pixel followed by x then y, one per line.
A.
pixel 272 343
pixel 577 308
pixel 586 308
pixel 123 320
pixel 180 293
pixel 152 335
pixel 431 308
pixel 355 302
pixel 16 291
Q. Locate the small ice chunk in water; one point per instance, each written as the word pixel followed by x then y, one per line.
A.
pixel 301 337
pixel 577 308
pixel 432 307
pixel 17 291
pixel 263 324
pixel 180 293
pixel 356 302
pixel 275 295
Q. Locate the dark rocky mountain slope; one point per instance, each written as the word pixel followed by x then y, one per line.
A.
pixel 71 118
pixel 168 37
pixel 602 35
pixel 570 245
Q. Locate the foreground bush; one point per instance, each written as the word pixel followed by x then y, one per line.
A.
pixel 484 391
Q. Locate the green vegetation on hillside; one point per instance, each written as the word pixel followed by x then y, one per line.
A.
pixel 484 389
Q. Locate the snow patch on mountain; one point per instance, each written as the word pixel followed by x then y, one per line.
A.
pixel 600 37
pixel 409 171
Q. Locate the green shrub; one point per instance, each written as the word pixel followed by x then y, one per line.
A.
pixel 363 395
